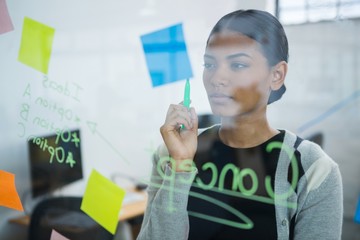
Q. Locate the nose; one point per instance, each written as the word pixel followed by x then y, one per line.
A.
pixel 220 76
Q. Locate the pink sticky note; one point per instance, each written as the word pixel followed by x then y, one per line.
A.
pixel 57 236
pixel 5 20
pixel 8 194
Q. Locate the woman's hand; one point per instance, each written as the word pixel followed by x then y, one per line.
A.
pixel 180 142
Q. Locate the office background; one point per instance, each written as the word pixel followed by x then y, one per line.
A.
pixel 97 54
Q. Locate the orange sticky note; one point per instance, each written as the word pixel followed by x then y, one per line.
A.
pixel 57 236
pixel 102 201
pixel 5 20
pixel 36 45
pixel 8 194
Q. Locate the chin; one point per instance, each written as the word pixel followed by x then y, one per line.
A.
pixel 232 111
pixel 226 111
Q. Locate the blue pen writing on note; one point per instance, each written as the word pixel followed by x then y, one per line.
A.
pixel 186 101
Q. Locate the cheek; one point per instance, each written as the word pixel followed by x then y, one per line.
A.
pixel 206 80
pixel 247 96
pixel 252 86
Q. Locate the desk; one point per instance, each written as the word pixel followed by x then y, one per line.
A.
pixel 133 209
pixel 127 211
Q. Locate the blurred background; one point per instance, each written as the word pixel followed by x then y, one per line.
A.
pixel 99 78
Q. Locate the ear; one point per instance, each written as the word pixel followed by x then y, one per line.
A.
pixel 278 75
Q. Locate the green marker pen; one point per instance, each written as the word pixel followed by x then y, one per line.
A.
pixel 186 101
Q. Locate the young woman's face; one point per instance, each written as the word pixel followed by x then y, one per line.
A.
pixel 236 74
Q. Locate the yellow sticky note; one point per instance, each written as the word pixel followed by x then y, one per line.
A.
pixel 36 45
pixel 102 201
pixel 8 194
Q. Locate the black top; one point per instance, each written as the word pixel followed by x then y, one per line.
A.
pixel 212 205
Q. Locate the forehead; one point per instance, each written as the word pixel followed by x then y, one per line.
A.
pixel 229 41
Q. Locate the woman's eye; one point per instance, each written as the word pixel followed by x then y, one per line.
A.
pixel 209 65
pixel 237 66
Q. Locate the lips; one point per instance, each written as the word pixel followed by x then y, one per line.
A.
pixel 219 97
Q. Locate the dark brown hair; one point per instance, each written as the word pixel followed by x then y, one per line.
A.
pixel 263 28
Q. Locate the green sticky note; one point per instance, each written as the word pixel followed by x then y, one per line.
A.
pixel 102 201
pixel 36 45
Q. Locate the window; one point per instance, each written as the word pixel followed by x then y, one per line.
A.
pixel 301 11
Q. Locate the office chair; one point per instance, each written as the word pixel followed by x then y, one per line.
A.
pixel 317 137
pixel 207 120
pixel 63 215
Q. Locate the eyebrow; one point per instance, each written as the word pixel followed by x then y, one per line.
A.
pixel 230 56
pixel 238 55
pixel 208 56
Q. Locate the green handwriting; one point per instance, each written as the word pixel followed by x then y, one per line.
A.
pixel 58 152
pixel 71 91
pixel 237 188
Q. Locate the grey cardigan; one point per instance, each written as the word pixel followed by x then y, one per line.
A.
pixel 318 200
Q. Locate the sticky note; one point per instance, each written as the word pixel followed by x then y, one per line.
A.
pixel 36 45
pixel 166 55
pixel 8 194
pixel 6 24
pixel 57 236
pixel 357 213
pixel 102 201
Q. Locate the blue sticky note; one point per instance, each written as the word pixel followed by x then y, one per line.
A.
pixel 166 55
pixel 357 213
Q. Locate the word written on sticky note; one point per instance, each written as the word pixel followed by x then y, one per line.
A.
pixel 36 45
pixel 57 236
pixel 166 55
pixel 102 201
pixel 8 194
pixel 6 24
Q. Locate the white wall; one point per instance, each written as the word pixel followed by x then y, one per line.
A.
pixel 97 47
pixel 322 78
pixel 323 73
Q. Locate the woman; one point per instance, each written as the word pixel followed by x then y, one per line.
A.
pixel 241 179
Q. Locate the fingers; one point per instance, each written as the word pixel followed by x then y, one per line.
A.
pixel 182 102
pixel 178 115
pixel 194 118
